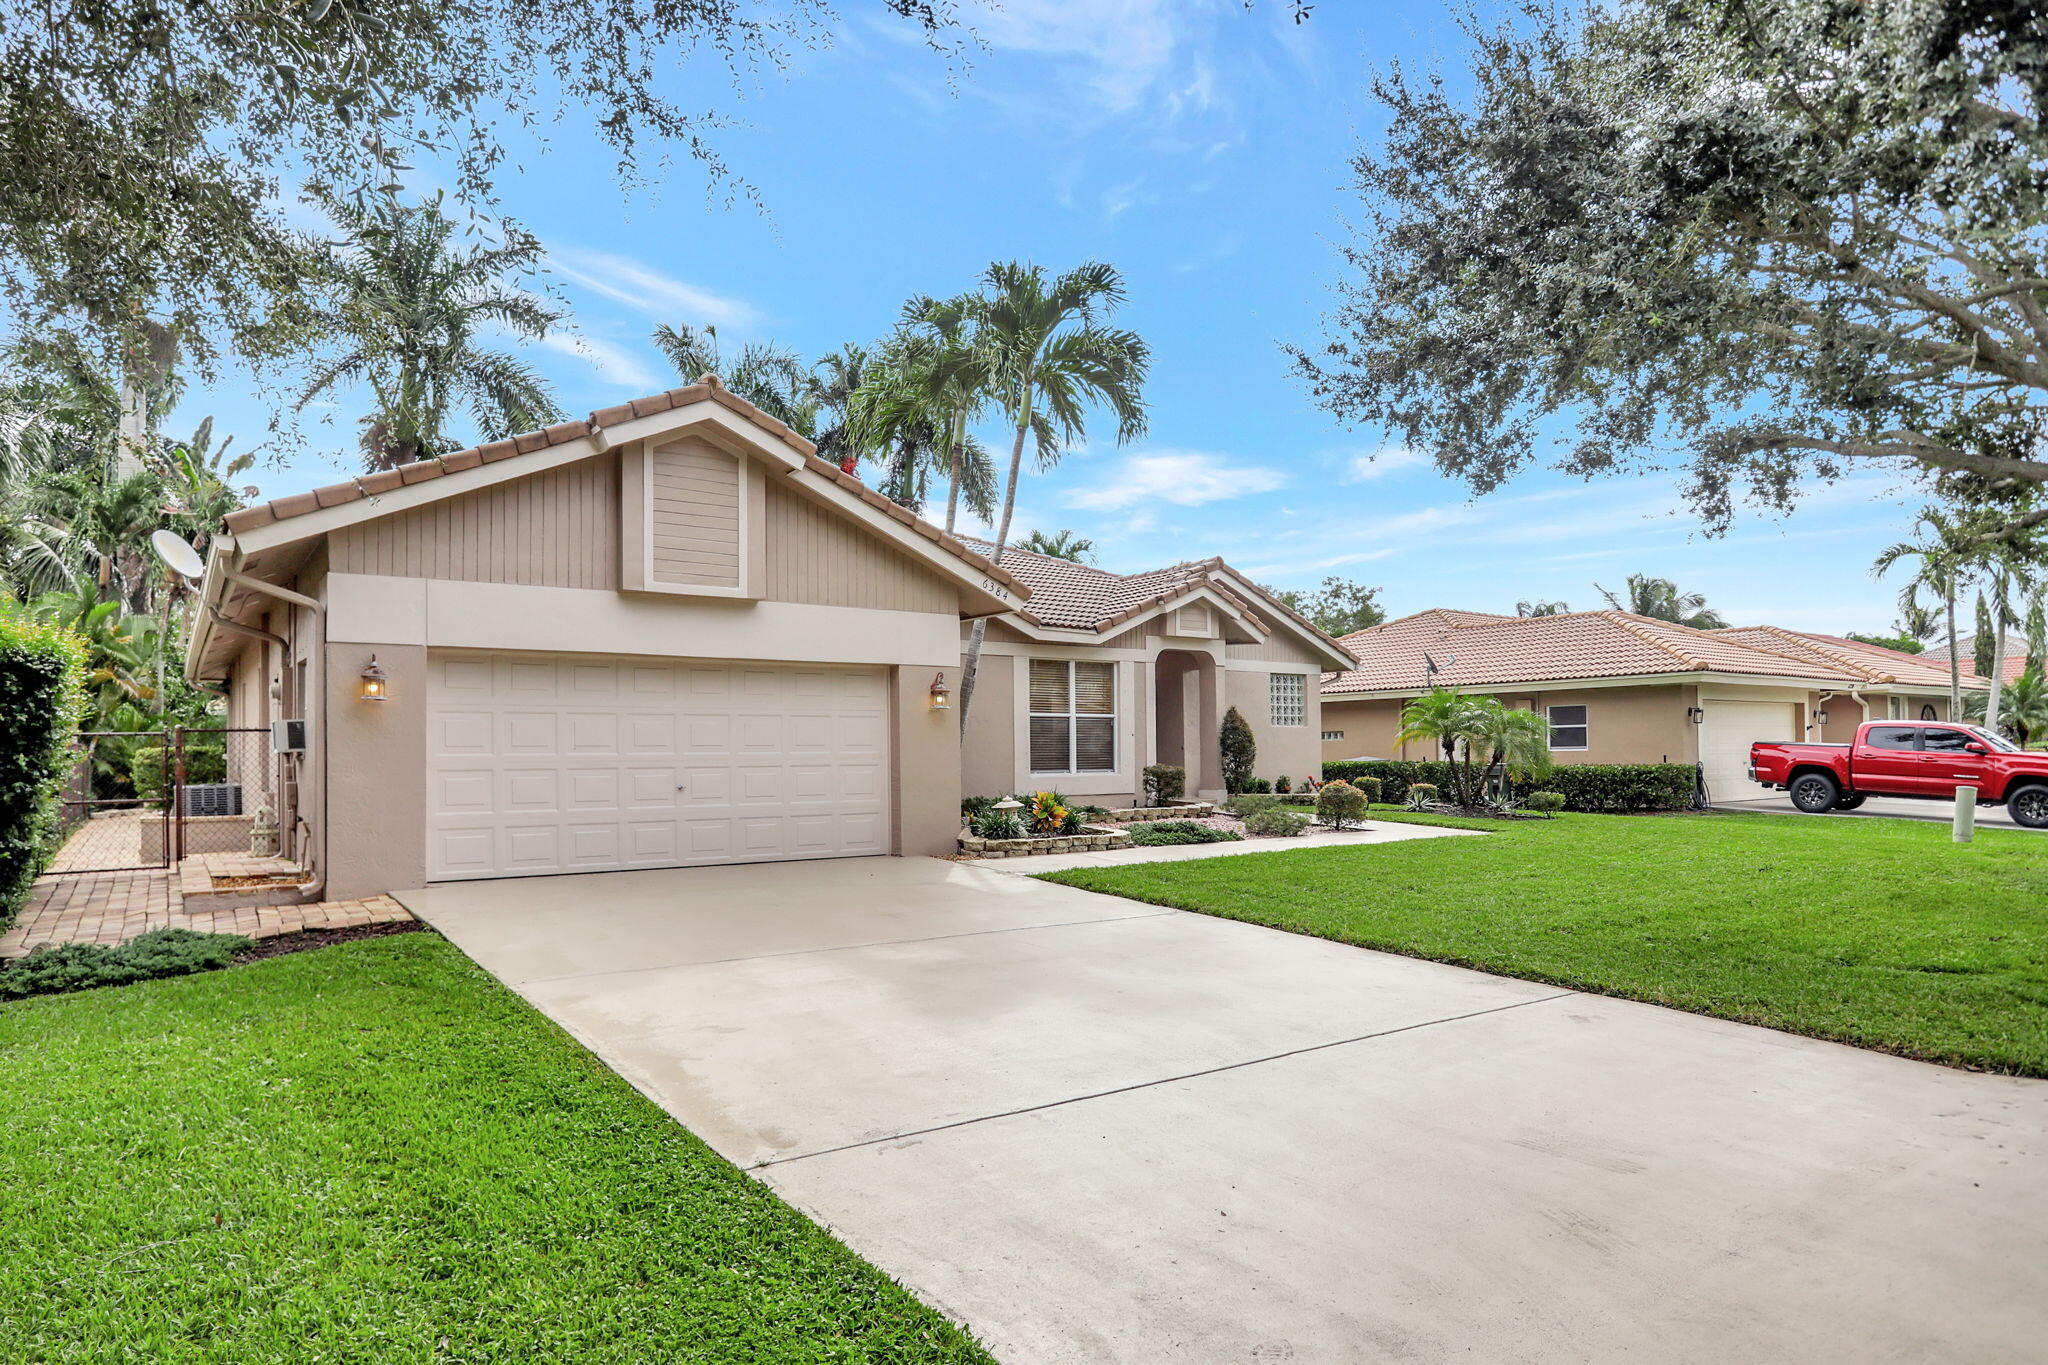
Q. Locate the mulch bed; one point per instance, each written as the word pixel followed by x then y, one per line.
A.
pixel 259 882
pixel 323 938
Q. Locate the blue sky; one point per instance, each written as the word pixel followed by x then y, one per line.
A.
pixel 1202 148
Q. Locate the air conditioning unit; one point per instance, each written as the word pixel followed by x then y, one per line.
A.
pixel 288 736
pixel 212 798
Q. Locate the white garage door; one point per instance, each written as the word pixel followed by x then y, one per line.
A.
pixel 1726 732
pixel 540 763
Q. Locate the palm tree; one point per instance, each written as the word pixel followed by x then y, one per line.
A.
pixel 1542 608
pixel 958 381
pixel 845 371
pixel 1060 545
pixel 1516 742
pixel 1449 719
pixel 1053 356
pixel 409 312
pixel 1944 550
pixel 898 416
pixel 768 375
pixel 1660 599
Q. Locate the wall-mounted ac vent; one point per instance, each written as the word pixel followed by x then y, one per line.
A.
pixel 288 736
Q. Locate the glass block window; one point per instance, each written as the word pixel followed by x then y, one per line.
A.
pixel 1333 734
pixel 1290 699
pixel 1073 716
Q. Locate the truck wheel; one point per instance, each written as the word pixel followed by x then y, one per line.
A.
pixel 1816 793
pixel 1850 802
pixel 2029 807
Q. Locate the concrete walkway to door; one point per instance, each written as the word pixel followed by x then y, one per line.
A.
pixel 1097 1130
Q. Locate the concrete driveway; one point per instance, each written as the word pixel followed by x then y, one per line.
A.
pixel 1894 807
pixel 1099 1131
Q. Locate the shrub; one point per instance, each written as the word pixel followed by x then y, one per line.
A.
pixel 972 808
pixel 1164 783
pixel 1276 823
pixel 205 761
pixel 1616 788
pixel 1370 786
pixel 998 824
pixel 51 970
pixel 1422 794
pixel 1181 832
pixel 1048 813
pixel 1247 804
pixel 1340 805
pixel 42 697
pixel 1282 785
pixel 1259 785
pixel 1240 752
pixel 1544 803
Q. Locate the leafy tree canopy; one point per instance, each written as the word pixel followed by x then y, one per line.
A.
pixel 1660 599
pixel 145 148
pixel 1905 644
pixel 1766 242
pixel 1338 607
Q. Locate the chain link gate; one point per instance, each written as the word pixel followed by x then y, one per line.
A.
pixel 142 799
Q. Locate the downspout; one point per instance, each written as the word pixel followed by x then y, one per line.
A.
pixel 318 688
pixel 1813 724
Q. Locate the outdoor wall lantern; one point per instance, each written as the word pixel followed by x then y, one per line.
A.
pixel 1696 714
pixel 1820 717
pixel 941 694
pixel 375 684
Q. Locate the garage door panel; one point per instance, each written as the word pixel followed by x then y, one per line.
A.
pixel 1727 729
pixel 538 764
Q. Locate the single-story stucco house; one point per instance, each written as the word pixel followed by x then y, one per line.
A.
pixel 1621 688
pixel 1100 674
pixel 670 635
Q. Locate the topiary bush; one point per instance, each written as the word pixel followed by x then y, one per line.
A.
pixel 1610 788
pixel 1165 783
pixel 42 698
pixel 1340 805
pixel 1544 803
pixel 1276 824
pixel 1422 795
pixel 52 970
pixel 1181 832
pixel 1370 786
pixel 1240 752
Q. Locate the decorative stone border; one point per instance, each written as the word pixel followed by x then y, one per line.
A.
pixel 1191 810
pixel 1094 838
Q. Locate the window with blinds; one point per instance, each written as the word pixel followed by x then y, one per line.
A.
pixel 1290 699
pixel 1073 716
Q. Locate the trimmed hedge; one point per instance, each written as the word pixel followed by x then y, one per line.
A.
pixel 42 698
pixel 1181 832
pixel 1609 788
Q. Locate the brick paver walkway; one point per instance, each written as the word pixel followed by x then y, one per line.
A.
pixel 112 907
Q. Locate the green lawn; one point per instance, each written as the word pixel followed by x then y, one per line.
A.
pixel 373 1152
pixel 1876 932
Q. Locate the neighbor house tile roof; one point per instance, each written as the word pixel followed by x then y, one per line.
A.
pixel 1471 649
pixel 707 388
pixel 1070 596
pixel 1474 649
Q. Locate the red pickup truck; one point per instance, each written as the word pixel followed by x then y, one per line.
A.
pixel 1907 758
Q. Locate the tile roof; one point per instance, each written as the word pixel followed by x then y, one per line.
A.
pixel 1070 596
pixel 2015 655
pixel 707 388
pixel 1473 649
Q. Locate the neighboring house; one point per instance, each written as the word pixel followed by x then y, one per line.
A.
pixel 668 635
pixel 1100 674
pixel 2015 655
pixel 1621 688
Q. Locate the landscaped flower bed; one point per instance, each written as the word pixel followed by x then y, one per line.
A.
pixel 1091 839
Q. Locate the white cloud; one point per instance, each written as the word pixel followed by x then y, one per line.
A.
pixel 1380 463
pixel 647 291
pixel 614 364
pixel 1185 478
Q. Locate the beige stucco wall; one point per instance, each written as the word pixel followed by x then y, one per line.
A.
pixel 988 758
pixel 1625 724
pixel 377 835
pixel 927 786
pixel 1290 751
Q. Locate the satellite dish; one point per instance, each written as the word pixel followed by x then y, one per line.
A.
pixel 183 559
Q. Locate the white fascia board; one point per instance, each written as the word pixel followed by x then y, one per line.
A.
pixel 1315 640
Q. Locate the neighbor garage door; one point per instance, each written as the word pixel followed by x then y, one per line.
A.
pixel 1727 730
pixel 543 763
